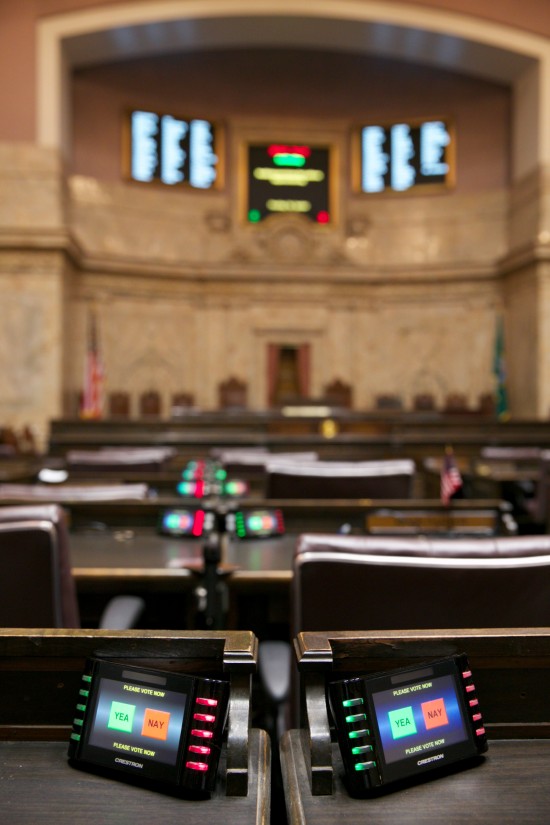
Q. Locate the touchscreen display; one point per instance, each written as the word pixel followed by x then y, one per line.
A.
pixel 416 719
pixel 138 720
pixel 396 724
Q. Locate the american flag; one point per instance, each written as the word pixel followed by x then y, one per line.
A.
pixel 451 480
pixel 92 396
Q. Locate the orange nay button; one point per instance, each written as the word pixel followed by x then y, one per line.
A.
pixel 155 724
pixel 435 713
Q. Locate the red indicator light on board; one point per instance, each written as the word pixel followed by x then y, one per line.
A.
pixel 202 734
pixel 287 149
pixel 197 766
pixel 323 217
pixel 204 717
pixel 198 524
pixel 202 749
pixel 202 700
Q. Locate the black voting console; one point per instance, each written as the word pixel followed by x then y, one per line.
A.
pixel 401 724
pixel 150 724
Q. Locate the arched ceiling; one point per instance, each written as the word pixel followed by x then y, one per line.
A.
pixel 424 46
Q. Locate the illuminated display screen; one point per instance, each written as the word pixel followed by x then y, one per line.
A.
pixel 288 178
pixel 235 487
pixel 138 720
pixel 259 523
pixel 419 718
pixel 169 150
pixel 403 156
pixel 184 522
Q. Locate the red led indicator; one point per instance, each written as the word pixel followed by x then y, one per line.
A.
pixel 197 766
pixel 202 700
pixel 202 749
pixel 281 149
pixel 476 717
pixel 323 217
pixel 467 674
pixel 470 688
pixel 198 524
pixel 480 732
pixel 204 717
pixel 202 734
pixel 473 703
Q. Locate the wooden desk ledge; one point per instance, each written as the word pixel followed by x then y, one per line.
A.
pixel 40 673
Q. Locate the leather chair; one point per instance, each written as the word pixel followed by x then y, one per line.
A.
pixel 388 401
pixel 232 394
pixel 456 402
pixel 391 479
pixel 118 460
pixel 37 588
pixel 366 582
pixel 150 404
pixel 424 401
pixel 119 404
pixel 338 394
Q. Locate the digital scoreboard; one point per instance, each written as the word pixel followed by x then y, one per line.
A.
pixel 404 156
pixel 169 150
pixel 288 178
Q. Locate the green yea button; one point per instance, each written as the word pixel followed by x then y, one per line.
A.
pixel 121 717
pixel 402 722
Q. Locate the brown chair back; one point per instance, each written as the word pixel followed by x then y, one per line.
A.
pixel 119 405
pixel 366 582
pixel 36 584
pixel 341 480
pixel 150 405
pixel 232 394
pixel 338 394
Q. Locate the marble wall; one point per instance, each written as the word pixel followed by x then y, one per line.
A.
pixel 397 298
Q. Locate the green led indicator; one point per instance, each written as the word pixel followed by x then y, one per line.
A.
pixel 365 766
pixel 239 525
pixel 358 734
pixel 81 707
pixel 86 678
pixel 356 717
pixel 78 721
pixel 254 215
pixel 289 159
pixel 83 692
pixel 75 736
pixel 351 703
pixel 361 749
pixel 221 475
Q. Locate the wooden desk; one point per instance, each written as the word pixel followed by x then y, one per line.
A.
pixel 509 786
pixel 37 785
pixel 511 668
pixel 160 568
pixel 40 678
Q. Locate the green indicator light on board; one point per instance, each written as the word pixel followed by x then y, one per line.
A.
pixel 356 717
pixel 358 734
pixel 254 215
pixel 289 160
pixel 221 475
pixel 351 703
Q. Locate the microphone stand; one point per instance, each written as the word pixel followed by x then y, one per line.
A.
pixel 213 587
